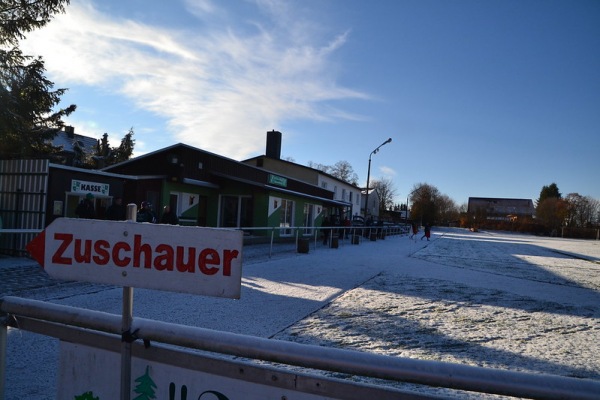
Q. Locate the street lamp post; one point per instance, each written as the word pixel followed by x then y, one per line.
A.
pixel 369 177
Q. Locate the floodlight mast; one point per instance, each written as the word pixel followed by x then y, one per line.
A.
pixel 369 177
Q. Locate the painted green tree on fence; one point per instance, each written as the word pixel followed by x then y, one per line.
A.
pixel 146 386
pixel 87 396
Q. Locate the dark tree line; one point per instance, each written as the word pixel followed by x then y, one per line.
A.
pixel 429 206
pixel 554 211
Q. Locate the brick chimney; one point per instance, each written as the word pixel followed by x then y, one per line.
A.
pixel 70 131
pixel 273 144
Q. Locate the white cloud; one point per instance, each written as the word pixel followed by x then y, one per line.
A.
pixel 201 8
pixel 387 172
pixel 217 89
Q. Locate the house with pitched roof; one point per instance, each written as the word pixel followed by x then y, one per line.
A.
pixel 501 209
pixel 76 148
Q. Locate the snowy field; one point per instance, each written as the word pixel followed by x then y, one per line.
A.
pixel 488 299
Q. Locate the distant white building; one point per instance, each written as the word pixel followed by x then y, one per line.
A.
pixel 373 206
pixel 342 191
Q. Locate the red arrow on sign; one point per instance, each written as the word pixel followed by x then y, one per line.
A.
pixel 37 248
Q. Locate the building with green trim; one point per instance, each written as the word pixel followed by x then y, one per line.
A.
pixel 206 189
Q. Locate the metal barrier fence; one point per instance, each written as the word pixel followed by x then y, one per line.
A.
pixel 301 239
pixel 23 191
pixel 261 236
pixel 72 323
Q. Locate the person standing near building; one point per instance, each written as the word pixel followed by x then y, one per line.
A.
pixel 168 216
pixel 145 213
pixel 85 208
pixel 326 229
pixel 116 211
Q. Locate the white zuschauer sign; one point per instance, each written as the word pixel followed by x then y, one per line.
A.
pixel 206 261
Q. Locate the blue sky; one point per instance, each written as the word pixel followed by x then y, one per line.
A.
pixel 480 98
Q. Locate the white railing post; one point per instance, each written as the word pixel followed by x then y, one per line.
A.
pixel 3 344
pixel 126 322
pixel 272 238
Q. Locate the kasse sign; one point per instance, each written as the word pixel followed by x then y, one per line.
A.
pixel 206 261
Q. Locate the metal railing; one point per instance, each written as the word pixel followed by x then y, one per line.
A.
pixel 329 236
pixel 278 243
pixel 46 318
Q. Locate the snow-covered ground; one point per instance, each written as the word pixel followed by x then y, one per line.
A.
pixel 490 299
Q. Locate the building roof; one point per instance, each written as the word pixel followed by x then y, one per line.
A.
pixel 184 163
pixel 69 141
pixel 501 206
pixel 253 160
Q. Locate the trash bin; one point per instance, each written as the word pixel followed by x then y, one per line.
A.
pixel 334 242
pixel 355 239
pixel 373 236
pixel 303 245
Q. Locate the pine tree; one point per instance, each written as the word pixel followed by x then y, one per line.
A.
pixel 549 192
pixel 125 149
pixel 112 155
pixel 146 386
pixel 28 120
pixel 87 396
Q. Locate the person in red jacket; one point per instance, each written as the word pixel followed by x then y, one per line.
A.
pixel 414 229
pixel 427 232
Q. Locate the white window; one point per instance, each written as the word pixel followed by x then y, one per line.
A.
pixel 309 218
pixel 287 217
pixel 235 211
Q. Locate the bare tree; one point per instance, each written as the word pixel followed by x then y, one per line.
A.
pixel 341 170
pixel 344 171
pixel 447 208
pixel 581 210
pixel 320 167
pixel 424 203
pixel 552 212
pixel 386 191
